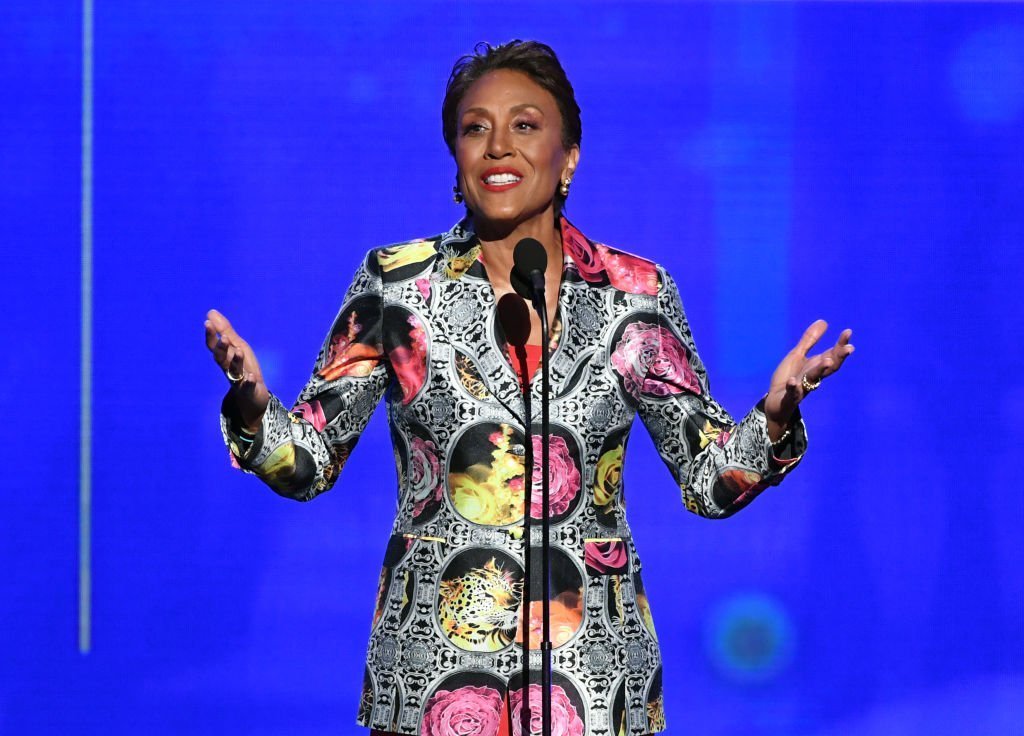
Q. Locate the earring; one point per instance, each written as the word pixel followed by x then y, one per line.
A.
pixel 564 189
pixel 457 195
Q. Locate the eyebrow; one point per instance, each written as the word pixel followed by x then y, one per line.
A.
pixel 514 109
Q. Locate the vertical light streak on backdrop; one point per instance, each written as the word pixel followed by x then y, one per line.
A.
pixel 752 113
pixel 85 386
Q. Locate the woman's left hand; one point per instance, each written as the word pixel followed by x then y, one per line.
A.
pixel 798 375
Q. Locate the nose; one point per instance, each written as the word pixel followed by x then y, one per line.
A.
pixel 499 145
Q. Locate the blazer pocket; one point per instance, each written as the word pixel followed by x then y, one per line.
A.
pixel 605 556
pixel 399 545
pixel 398 588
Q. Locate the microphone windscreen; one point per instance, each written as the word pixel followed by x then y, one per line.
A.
pixel 529 256
pixel 514 316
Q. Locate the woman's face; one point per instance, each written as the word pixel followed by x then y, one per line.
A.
pixel 508 147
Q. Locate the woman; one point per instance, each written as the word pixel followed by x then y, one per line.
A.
pixel 419 322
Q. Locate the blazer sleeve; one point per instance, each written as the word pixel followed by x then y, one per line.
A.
pixel 720 466
pixel 300 452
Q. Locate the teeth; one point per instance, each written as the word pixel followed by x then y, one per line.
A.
pixel 499 179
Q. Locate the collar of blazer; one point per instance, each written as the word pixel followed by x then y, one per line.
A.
pixel 597 264
pixel 589 269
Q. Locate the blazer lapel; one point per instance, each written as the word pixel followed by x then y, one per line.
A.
pixel 469 317
pixel 581 317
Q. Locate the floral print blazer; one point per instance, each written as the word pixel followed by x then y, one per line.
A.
pixel 419 324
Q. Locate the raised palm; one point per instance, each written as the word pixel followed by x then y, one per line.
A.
pixel 798 374
pixel 238 361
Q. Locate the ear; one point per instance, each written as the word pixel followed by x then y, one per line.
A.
pixel 572 162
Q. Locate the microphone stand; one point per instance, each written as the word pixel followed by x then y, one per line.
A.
pixel 545 564
pixel 540 304
pixel 524 715
pixel 514 317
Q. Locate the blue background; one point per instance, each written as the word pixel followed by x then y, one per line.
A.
pixel 860 162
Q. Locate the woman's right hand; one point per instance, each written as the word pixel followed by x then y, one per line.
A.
pixel 234 356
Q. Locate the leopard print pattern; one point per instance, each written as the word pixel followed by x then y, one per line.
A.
pixel 478 610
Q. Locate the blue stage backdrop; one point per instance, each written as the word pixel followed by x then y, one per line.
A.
pixel 860 162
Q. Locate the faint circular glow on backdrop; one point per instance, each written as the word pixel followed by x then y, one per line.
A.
pixel 749 637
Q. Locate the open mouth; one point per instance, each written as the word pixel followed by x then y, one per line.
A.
pixel 498 180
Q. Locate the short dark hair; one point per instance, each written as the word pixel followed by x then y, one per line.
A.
pixel 537 60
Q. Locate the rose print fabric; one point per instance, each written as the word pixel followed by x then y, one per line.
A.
pixel 563 478
pixel 418 327
pixel 465 711
pixel 565 719
pixel 651 360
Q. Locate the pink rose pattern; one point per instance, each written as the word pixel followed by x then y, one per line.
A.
pixel 466 711
pixel 596 262
pixel 563 477
pixel 399 335
pixel 426 482
pixel 423 285
pixel 585 257
pixel 565 721
pixel 652 361
pixel 605 557
pixel 629 273
pixel 313 413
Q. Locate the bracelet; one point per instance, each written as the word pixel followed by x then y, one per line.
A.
pixel 245 435
pixel 785 436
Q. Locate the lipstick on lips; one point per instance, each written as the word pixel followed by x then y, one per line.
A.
pixel 500 178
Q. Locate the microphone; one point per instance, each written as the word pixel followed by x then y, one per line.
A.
pixel 529 262
pixel 514 318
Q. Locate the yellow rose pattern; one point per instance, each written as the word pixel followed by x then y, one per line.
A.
pixel 608 478
pixel 491 494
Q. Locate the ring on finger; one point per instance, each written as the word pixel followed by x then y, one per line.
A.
pixel 232 377
pixel 807 385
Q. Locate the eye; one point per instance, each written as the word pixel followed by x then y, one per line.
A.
pixel 525 125
pixel 471 128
